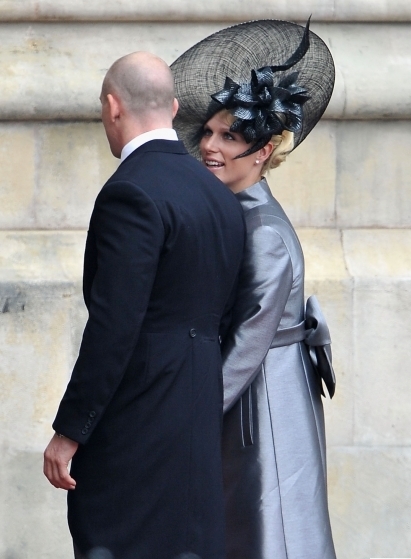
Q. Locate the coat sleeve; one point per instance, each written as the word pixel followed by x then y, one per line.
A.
pixel 265 284
pixel 129 236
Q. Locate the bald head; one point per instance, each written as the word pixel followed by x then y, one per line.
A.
pixel 144 84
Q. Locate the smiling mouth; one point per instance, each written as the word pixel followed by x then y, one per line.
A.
pixel 214 165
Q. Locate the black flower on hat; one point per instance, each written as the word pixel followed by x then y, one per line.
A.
pixel 262 108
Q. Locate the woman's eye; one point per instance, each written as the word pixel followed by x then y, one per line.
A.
pixel 228 136
pixel 207 132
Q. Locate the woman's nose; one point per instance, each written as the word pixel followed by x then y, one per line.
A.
pixel 209 143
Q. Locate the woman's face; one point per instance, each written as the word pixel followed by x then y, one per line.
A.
pixel 219 147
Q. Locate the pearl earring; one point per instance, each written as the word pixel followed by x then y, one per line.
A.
pixel 257 161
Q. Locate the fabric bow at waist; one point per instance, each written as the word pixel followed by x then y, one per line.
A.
pixel 316 335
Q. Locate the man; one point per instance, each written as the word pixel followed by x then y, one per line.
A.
pixel 141 416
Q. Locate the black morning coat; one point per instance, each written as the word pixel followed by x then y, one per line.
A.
pixel 145 398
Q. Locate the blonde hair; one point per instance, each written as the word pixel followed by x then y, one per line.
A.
pixel 283 145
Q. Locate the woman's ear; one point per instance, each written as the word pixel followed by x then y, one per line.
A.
pixel 265 152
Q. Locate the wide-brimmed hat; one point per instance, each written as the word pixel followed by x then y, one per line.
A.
pixel 271 75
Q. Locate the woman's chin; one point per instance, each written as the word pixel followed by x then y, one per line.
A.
pixel 217 171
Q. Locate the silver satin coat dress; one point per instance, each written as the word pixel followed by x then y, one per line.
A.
pixel 273 436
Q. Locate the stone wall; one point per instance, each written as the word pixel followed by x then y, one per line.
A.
pixel 347 189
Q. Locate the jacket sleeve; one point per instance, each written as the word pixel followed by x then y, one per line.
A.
pixel 129 236
pixel 265 284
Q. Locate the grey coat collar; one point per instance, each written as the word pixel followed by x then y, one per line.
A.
pixel 255 195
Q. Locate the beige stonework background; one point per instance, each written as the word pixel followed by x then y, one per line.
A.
pixel 347 189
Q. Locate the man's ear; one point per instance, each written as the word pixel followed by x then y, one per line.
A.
pixel 114 107
pixel 265 152
pixel 175 107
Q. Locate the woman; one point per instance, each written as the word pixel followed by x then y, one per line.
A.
pixel 273 434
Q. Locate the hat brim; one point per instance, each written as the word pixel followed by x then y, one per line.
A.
pixel 201 71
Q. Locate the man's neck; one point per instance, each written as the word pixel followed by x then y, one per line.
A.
pixel 144 137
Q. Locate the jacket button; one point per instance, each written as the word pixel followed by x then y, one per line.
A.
pixel 193 333
pixel 92 414
pixel 84 431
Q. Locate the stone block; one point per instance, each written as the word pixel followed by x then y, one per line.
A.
pixel 186 10
pixel 378 253
pixel 324 254
pixel 74 163
pixel 17 181
pixel 32 512
pixel 72 58
pixel 373 176
pixel 38 325
pixel 380 262
pixel 370 501
pixel 41 257
pixel 370 70
pixel 382 330
pixel 52 173
pixel 305 183
pixel 41 321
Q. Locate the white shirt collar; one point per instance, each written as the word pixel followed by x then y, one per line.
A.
pixel 158 134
